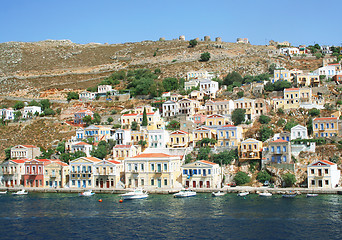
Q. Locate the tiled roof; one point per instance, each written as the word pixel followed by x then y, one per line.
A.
pixel 280 140
pixel 291 89
pixel 327 162
pixel 94 159
pixel 130 114
pixel 123 146
pixel 229 125
pixel 20 160
pixel 82 143
pixel 113 161
pixel 152 155
pixel 203 161
pixel 29 146
pixel 326 118
pixel 179 132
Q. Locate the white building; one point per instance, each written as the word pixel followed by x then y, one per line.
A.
pixel 299 132
pixel 209 87
pixel 199 74
pixel 25 151
pixel 289 51
pixel 31 110
pixel 81 146
pixel 158 138
pixel 170 108
pixel 326 49
pixel 120 152
pixel 323 174
pixel 7 113
pixel 103 89
pixel 85 96
pixel 191 84
pixel 122 136
pixel 329 71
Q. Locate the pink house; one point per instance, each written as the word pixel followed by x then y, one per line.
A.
pixel 199 119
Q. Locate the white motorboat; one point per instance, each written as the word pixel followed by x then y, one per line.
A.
pixel 242 194
pixel 311 195
pixel 21 192
pixel 136 194
pixel 4 192
pixel 218 194
pixel 185 193
pixel 86 193
pixel 265 194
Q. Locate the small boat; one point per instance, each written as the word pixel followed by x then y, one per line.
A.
pixel 242 194
pixel 86 193
pixel 21 192
pixel 136 194
pixel 289 195
pixel 311 195
pixel 218 194
pixel 4 192
pixel 185 193
pixel 265 194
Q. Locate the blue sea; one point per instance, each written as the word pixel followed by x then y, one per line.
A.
pixel 68 216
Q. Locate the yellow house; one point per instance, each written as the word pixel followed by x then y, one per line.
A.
pixel 248 105
pixel 127 119
pixel 282 75
pixel 325 127
pixel 180 139
pixel 203 132
pixel 197 95
pixel 121 152
pixel 82 172
pixel 140 109
pixel 229 136
pixel 216 120
pixel 107 174
pixel 152 171
pixel 142 135
pixel 307 80
pixel 250 149
pixel 56 174
pixel 154 120
pixel 293 97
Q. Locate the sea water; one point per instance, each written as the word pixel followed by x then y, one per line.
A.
pixel 68 216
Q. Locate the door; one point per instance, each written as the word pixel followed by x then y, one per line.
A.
pixel 187 183
pixel 320 183
pixel 78 183
pixel 159 182
pixel 84 183
pixel 136 184
pixel 194 184
pixel 107 183
pixel 101 184
pixel 201 184
pixel 208 184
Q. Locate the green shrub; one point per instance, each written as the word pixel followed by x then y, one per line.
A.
pixel 263 176
pixel 241 178
pixel 289 179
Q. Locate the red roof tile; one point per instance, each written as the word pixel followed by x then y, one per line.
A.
pixel 152 155
pixel 122 146
pixel 291 89
pixel 113 161
pixel 280 140
pixel 229 125
pixel 29 146
pixel 19 160
pixel 130 114
pixel 326 118
pixel 203 161
pixel 179 132
pixel 82 143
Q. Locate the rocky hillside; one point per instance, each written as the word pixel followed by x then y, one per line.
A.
pixel 27 69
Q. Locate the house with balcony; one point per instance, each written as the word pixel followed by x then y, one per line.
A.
pixel 201 174
pixel 107 174
pixel 120 152
pixel 229 136
pixel 308 80
pixel 25 152
pixel 188 107
pixel 170 108
pixel 200 74
pixel 158 138
pixel 180 139
pixel 153 170
pixel 250 149
pixel 56 174
pixel 248 105
pixel 7 113
pixel 293 98
pixel 79 115
pixel 323 174
pixel 209 87
pixel 121 136
pixel 81 172
pixel 203 132
pixel 278 151
pixel 198 95
pixel 97 133
pixel 225 107
pixel 299 132
pixel 216 120
pixel 325 127
pixel 34 172
pixel 12 172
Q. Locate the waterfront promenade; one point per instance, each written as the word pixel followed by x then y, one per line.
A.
pixel 174 190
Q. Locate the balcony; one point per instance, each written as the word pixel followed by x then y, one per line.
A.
pixel 8 172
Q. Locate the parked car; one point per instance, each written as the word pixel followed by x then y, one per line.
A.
pixel 232 184
pixel 266 183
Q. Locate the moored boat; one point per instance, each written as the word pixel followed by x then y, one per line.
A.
pixel 265 194
pixel 184 193
pixel 3 192
pixel 289 195
pixel 21 192
pixel 311 195
pixel 242 194
pixel 86 193
pixel 218 194
pixel 136 194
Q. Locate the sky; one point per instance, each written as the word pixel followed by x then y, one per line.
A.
pixel 119 21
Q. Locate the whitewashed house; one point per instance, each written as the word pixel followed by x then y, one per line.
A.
pixel 209 87
pixel 30 111
pixel 170 108
pixel 158 138
pixel 323 174
pixel 83 147
pixel 299 132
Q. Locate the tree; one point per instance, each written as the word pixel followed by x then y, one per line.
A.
pixel 280 111
pixel 49 111
pixel 173 125
pixel 96 118
pixel 45 104
pixel 231 78
pixel 271 68
pixel 241 178
pixel 87 120
pixel 264 119
pixel 314 112
pixel 110 120
pixel 17 116
pixel 170 84
pixel 309 126
pixel 61 147
pixel 34 103
pixel 281 85
pixel 193 43
pixel 100 151
pixel 238 116
pixel 265 133
pixel 72 95
pixel 225 157
pixel 206 141
pixel 203 153
pixel 290 124
pixel 205 57
pixel 240 94
pixel 142 143
pixel 188 158
pixel 18 105
pixel 134 126
pixel 289 179
pixel 144 120
pixel 8 153
pixel 46 154
pixel 263 176
pixel 269 87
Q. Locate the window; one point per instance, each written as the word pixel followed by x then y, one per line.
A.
pixel 165 166
pixel 165 182
pixel 209 171
pixel 142 167
pixel 89 182
pixel 73 182
pixel 152 182
pixel 199 171
pixel 326 171
pixel 152 167
pixel 326 182
pixel 185 172
pixel 284 148
pixel 272 149
pixel 284 158
pixel 312 171
pixel 142 182
pixel 313 182
pixel 195 171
